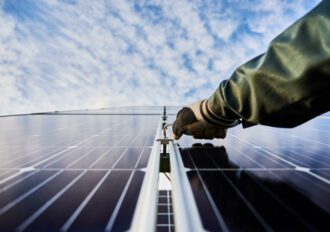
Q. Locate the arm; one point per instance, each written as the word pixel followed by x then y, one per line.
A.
pixel 287 85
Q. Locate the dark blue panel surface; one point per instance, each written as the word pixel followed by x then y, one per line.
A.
pixel 165 217
pixel 62 141
pixel 72 172
pixel 262 178
pixel 307 145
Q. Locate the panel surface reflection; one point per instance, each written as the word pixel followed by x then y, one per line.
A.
pixel 72 172
pixel 262 178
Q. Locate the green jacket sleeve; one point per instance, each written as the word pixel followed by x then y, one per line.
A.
pixel 287 85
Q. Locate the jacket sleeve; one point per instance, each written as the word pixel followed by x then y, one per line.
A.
pixel 287 85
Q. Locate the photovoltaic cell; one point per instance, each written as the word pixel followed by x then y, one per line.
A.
pixel 165 217
pixel 72 172
pixel 60 214
pixel 126 211
pixel 95 214
pixel 262 178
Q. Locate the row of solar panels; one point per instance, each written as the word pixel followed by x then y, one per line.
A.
pixel 99 172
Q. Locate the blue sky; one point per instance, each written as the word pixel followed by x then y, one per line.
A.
pixel 67 54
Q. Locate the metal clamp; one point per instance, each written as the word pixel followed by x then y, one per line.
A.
pixel 164 141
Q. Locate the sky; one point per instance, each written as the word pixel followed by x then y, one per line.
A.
pixel 78 54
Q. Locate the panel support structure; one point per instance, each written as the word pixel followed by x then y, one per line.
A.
pixel 146 210
pixel 186 216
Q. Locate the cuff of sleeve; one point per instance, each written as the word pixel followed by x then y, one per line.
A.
pixel 210 117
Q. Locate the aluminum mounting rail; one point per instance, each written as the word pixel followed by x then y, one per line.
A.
pixel 145 214
pixel 186 216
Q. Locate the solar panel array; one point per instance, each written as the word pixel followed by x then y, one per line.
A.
pixel 83 171
pixel 262 178
pixel 72 172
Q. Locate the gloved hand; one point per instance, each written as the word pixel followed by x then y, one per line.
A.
pixel 197 120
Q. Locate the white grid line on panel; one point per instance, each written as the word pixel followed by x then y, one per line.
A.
pixel 37 213
pixel 28 193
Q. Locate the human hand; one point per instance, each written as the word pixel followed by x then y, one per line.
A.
pixel 195 120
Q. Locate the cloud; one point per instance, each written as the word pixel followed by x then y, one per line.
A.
pixel 58 55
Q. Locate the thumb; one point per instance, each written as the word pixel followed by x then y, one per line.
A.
pixel 178 133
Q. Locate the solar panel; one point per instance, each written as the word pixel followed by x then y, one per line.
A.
pixel 262 178
pixel 72 172
pixel 130 110
pixel 97 170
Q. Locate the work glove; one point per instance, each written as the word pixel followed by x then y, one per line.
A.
pixel 197 120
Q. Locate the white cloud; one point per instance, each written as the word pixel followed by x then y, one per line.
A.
pixel 57 55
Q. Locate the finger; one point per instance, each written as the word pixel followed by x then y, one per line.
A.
pixel 175 136
pixel 175 127
pixel 178 133
pixel 194 128
pixel 220 133
pixel 199 134
pixel 184 117
pixel 210 133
